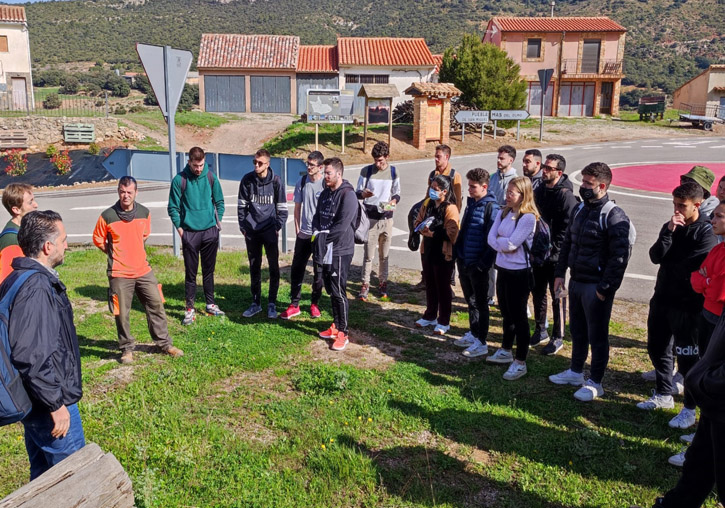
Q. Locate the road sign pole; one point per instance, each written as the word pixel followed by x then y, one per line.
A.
pixel 172 139
pixel 483 127
pixel 343 138
pixel 495 128
pixel 463 132
pixel 541 125
pixel 518 129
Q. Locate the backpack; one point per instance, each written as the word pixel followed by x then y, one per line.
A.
pixel 604 217
pixel 370 168
pixel 361 225
pixel 413 235
pixel 15 403
pixel 541 245
pixel 451 177
pixel 8 231
pixel 210 177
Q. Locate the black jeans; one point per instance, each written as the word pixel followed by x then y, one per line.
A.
pixel 544 279
pixel 303 251
pixel 255 241
pixel 474 284
pixel 335 277
pixel 512 290
pixel 704 467
pixel 438 296
pixel 589 326
pixel 193 244
pixel 663 323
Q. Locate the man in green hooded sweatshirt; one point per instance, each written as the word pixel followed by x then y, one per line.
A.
pixel 196 205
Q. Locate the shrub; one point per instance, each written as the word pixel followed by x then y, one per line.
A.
pixel 51 151
pixel 94 149
pixel 120 110
pixel 93 89
pixel 71 86
pixel 62 163
pixel 52 101
pixel 189 97
pixel 136 108
pixel 17 162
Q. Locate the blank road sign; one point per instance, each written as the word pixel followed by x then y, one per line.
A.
pixel 152 58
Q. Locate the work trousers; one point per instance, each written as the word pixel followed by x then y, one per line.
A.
pixel 543 280
pixel 148 290
pixel 335 277
pixel 665 324
pixel 302 254
pixel 194 243
pixel 512 291
pixel 474 283
pixel 438 295
pixel 266 239
pixel 380 235
pixel 589 326
pixel 704 467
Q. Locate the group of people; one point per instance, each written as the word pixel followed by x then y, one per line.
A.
pixel 519 236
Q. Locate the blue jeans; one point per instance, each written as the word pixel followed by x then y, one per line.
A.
pixel 45 451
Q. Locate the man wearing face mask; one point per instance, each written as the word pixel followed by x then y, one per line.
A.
pixel 596 249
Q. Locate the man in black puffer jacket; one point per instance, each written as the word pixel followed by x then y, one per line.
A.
pixel 596 249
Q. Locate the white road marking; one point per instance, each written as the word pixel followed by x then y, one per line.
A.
pixel 651 146
pixel 640 276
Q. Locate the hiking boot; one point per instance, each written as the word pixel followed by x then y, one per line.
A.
pixel 467 340
pixel 253 310
pixel 214 310
pixel 314 311
pixel 173 351
pixel 127 357
pixel 422 322
pixel 383 290
pixel 553 347
pixel 271 311
pixel 678 460
pixel 441 329
pixel 515 371
pixel 189 317
pixel 501 356
pixel 657 401
pixel 476 349
pixel 292 311
pixel 684 419
pixel 589 391
pixel 568 377
pixel 364 291
pixel 538 337
pixel 341 342
pixel 330 333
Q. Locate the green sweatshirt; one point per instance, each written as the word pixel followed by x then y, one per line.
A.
pixel 194 211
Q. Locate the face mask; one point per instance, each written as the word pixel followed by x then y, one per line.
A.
pixel 586 194
pixel 433 195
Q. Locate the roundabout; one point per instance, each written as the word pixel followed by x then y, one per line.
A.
pixel 659 177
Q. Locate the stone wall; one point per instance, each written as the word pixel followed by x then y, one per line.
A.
pixel 44 131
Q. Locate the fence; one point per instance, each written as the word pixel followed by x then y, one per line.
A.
pixel 50 103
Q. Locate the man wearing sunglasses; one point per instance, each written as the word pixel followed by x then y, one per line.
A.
pixel 262 211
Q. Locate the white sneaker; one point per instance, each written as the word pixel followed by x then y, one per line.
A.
pixel 491 301
pixel 687 438
pixel 568 377
pixel 465 341
pixel 678 383
pixel 476 350
pixel 589 391
pixel 657 401
pixel 677 460
pixel 441 329
pixel 684 420
pixel 515 371
pixel 528 312
pixel 501 356
pixel 422 323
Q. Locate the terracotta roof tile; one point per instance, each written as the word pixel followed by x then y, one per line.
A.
pixel 438 59
pixel 12 14
pixel 237 51
pixel 384 52
pixel 558 24
pixel 317 59
pixel 433 89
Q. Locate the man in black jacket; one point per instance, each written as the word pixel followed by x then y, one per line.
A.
pixel 680 249
pixel 596 249
pixel 262 211
pixel 44 344
pixel 334 239
pixel 556 201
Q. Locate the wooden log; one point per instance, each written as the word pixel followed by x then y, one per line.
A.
pixel 88 478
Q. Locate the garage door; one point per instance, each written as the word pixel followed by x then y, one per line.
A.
pixel 311 82
pixel 270 94
pixel 224 94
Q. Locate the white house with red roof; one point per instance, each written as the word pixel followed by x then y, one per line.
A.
pixel 16 78
pixel 586 54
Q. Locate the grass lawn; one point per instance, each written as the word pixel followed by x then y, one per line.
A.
pixel 261 413
pixel 330 135
pixel 154 120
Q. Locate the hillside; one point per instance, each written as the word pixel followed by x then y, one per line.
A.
pixel 664 37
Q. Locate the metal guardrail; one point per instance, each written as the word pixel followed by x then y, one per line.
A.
pixel 607 67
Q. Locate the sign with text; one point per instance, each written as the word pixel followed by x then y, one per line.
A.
pixel 330 106
pixel 509 115
pixel 472 117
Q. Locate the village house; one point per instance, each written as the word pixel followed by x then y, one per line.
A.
pixel 586 54
pixel 16 78
pixel 704 94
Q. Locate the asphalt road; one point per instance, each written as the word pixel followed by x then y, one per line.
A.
pixel 648 210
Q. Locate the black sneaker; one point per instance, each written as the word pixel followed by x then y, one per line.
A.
pixel 538 337
pixel 553 347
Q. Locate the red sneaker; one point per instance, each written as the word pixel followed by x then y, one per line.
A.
pixel 314 311
pixel 330 333
pixel 340 342
pixel 292 311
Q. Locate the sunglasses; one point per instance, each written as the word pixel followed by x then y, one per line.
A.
pixel 549 168
pixel 260 163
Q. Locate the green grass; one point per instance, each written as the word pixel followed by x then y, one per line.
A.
pixel 669 116
pixel 260 413
pixel 330 135
pixel 154 120
pixel 150 144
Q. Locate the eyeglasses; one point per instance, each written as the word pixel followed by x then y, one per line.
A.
pixel 260 163
pixel 549 168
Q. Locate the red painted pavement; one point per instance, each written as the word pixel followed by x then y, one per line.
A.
pixel 660 177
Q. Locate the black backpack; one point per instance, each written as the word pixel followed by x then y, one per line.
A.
pixel 541 245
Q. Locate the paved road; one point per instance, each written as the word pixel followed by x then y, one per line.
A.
pixel 649 210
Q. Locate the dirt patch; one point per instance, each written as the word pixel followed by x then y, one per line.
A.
pixel 115 379
pixel 630 313
pixel 364 351
pixel 85 307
